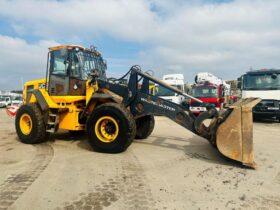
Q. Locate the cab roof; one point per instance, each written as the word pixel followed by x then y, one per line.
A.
pixel 70 47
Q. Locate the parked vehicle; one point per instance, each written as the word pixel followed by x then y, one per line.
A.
pixel 264 84
pixel 174 80
pixel 5 101
pixel 210 89
pixel 17 100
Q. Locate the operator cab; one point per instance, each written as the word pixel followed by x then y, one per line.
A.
pixel 70 67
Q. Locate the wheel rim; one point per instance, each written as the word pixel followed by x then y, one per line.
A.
pixel 25 123
pixel 106 129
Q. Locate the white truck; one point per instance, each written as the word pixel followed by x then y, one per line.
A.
pixel 203 77
pixel 8 100
pixel 264 84
pixel 5 101
pixel 175 80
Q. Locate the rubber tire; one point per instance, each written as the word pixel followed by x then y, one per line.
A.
pixel 126 123
pixel 38 133
pixel 144 126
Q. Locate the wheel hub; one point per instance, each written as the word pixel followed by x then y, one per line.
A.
pixel 106 129
pixel 25 124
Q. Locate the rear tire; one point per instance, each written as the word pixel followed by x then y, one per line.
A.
pixel 111 128
pixel 30 125
pixel 144 126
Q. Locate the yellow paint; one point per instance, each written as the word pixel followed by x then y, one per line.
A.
pixel 153 89
pixel 33 83
pixel 67 107
pixel 101 131
pixel 25 124
pixel 90 89
pixel 69 120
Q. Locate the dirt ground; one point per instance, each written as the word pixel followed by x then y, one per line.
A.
pixel 172 169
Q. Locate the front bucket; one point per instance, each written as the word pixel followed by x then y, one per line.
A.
pixel 234 136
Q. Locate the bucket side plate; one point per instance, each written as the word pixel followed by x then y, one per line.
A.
pixel 234 137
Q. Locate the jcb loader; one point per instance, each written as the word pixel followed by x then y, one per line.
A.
pixel 77 96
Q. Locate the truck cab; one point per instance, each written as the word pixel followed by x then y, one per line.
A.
pixel 175 80
pixel 17 100
pixel 264 84
pixel 5 101
pixel 209 93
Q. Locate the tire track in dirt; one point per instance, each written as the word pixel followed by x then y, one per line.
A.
pixel 130 186
pixel 262 203
pixel 136 191
pixel 16 184
pixel 102 196
pixel 277 178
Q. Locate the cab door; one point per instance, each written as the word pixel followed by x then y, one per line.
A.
pixel 65 74
pixel 59 77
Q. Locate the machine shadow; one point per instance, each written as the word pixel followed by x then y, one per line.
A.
pixel 194 148
pixel 81 140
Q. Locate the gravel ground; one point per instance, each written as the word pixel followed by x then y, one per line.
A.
pixel 172 169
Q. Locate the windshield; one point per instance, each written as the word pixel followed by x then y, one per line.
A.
pixel 267 81
pixel 180 87
pixel 2 99
pixel 204 92
pixel 90 61
pixel 162 91
pixel 77 63
pixel 17 98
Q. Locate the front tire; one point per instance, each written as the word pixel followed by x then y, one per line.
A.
pixel 30 126
pixel 144 126
pixel 111 128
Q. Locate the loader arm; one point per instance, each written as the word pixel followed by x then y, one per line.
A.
pixel 136 96
pixel 230 130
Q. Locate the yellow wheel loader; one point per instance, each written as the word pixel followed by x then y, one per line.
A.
pixel 77 96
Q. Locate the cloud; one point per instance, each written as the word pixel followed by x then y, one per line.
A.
pixel 223 37
pixel 61 19
pixel 21 61
pixel 226 38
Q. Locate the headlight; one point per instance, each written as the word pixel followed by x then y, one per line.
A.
pixel 273 108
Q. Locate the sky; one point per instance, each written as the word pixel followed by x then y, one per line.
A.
pixel 224 37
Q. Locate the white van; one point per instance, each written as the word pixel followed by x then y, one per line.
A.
pixel 5 101
pixel 175 80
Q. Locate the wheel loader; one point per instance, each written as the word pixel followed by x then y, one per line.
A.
pixel 77 96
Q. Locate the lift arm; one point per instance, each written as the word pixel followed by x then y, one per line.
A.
pixel 230 130
pixel 136 95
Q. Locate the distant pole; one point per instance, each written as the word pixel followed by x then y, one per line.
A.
pixel 21 79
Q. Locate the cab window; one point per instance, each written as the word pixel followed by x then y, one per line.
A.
pixel 59 63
